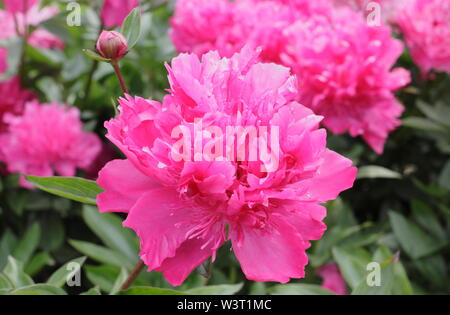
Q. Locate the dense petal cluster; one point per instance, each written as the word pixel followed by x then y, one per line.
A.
pixel 425 25
pixel 114 12
pixel 47 139
pixel 344 69
pixel 199 26
pixel 332 279
pixel 183 210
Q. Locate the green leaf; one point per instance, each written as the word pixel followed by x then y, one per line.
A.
pixel 352 264
pixel 60 276
pixel 28 244
pixel 101 254
pixel 415 242
pixel 7 244
pixel 434 269
pixel 426 218
pixel 131 28
pixel 39 289
pixel 423 124
pixel 14 272
pixel 444 177
pixel 150 291
pixel 222 289
pixel 73 188
pixel 387 281
pixel 123 275
pixel 92 291
pixel 39 261
pixel 373 171
pixel 5 283
pixel 298 289
pixel 103 276
pixel 108 227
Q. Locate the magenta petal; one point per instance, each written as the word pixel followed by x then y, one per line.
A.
pixel 124 184
pixel 276 253
pixel 161 220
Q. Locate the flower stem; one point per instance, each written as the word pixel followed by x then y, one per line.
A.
pixel 134 273
pixel 120 77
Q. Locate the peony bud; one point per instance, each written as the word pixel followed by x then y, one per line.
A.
pixel 112 45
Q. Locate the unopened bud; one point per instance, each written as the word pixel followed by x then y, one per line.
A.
pixel 112 45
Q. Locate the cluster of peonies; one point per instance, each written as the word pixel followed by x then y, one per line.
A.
pixel 425 24
pixel 343 64
pixel 183 210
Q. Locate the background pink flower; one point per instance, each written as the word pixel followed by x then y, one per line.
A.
pixel 39 37
pixel 115 11
pixel 344 69
pixel 332 279
pixel 19 6
pixel 425 25
pixel 45 140
pixel 180 209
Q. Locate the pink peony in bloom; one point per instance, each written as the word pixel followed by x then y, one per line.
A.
pixel 199 26
pixel 31 18
pixel 332 279
pixel 344 69
pixel 47 139
pixel 426 28
pixel 184 205
pixel 114 12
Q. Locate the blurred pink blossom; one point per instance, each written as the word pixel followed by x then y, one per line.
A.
pixel 114 12
pixel 425 25
pixel 332 279
pixel 344 70
pixel 47 139
pixel 19 6
pixel 180 209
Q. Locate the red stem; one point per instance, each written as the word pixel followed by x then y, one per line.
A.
pixel 120 77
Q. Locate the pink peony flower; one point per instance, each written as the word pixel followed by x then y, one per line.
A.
pixel 426 27
pixel 199 26
pixel 181 208
pixel 114 12
pixel 344 70
pixel 32 17
pixel 332 279
pixel 47 139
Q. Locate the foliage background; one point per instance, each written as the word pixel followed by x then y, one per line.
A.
pixel 399 204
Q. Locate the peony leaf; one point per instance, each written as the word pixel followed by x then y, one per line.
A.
pixel 374 171
pixel 74 188
pixel 150 291
pixel 131 27
pixel 222 289
pixel 298 289
pixel 60 276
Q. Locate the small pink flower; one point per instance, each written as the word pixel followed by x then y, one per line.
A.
pixel 112 45
pixel 426 27
pixel 181 209
pixel 114 12
pixel 344 70
pixel 47 139
pixel 332 279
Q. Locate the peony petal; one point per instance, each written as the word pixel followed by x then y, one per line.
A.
pixel 124 184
